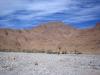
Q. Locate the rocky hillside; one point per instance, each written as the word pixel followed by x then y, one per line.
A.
pixel 52 37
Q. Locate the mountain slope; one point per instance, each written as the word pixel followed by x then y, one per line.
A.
pixel 52 38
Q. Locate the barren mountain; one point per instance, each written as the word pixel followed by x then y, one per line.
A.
pixel 52 37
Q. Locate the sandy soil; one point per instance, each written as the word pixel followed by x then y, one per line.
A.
pixel 48 64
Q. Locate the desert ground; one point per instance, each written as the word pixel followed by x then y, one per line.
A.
pixel 14 63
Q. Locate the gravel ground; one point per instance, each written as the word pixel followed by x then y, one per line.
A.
pixel 48 64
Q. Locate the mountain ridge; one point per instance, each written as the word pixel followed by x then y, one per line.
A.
pixel 53 37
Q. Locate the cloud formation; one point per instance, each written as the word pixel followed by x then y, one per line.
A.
pixel 28 13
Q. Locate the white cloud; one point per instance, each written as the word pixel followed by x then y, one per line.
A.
pixel 7 6
pixel 81 19
pixel 89 11
pixel 45 7
pixel 76 10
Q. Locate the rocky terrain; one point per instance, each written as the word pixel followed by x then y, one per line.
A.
pixel 54 37
pixel 48 64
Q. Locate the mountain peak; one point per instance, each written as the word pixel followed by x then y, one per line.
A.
pixel 52 24
pixel 51 37
pixel 98 25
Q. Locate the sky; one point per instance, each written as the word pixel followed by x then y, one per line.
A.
pixel 20 14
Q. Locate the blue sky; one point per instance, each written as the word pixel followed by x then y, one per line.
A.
pixel 21 14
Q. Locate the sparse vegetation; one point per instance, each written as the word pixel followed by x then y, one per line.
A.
pixel 40 51
pixel 77 52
